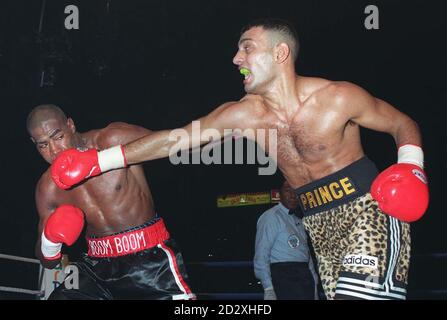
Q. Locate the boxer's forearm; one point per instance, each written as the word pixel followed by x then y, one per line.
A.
pixel 150 147
pixel 161 144
pixel 403 129
pixel 407 132
pixel 164 143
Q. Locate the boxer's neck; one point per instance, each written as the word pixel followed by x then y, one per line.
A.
pixel 283 95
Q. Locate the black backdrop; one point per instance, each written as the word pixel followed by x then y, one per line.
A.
pixel 161 64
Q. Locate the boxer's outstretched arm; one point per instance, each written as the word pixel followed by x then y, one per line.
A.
pixel 73 166
pixel 376 114
pixel 161 144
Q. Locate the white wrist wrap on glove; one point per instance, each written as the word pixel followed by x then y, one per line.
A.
pixel 112 158
pixel 49 248
pixel 411 154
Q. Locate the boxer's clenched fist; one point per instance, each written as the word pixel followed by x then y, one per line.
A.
pixel 401 190
pixel 64 225
pixel 73 166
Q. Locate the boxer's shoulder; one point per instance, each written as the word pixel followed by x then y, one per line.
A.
pixel 338 92
pixel 45 181
pixel 109 136
pixel 114 126
pixel 241 114
pixel 118 133
pixel 46 188
pixel 105 137
pixel 314 86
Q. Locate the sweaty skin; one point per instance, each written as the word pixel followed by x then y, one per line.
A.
pixel 112 202
pixel 317 120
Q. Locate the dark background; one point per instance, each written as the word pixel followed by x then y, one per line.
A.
pixel 161 64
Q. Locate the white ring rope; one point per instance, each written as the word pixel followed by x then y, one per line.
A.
pixel 19 290
pixel 7 256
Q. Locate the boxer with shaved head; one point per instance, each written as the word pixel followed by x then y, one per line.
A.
pixel 130 253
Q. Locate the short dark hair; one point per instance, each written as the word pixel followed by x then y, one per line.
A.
pixel 43 112
pixel 282 27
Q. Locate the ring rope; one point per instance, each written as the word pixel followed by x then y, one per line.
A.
pixel 10 257
pixel 20 290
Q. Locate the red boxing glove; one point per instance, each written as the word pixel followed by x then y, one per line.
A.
pixel 401 190
pixel 64 225
pixel 73 166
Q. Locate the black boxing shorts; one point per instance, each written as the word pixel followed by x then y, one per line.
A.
pixel 362 253
pixel 139 263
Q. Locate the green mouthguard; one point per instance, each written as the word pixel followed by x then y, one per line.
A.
pixel 244 71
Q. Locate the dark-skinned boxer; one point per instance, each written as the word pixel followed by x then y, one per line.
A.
pixel 130 253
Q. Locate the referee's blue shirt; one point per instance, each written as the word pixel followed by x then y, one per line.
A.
pixel 280 237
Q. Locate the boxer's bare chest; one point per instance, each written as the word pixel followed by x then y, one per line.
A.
pixel 111 202
pixel 97 194
pixel 310 140
pixel 101 195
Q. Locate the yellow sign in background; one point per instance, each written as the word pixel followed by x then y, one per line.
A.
pixel 243 199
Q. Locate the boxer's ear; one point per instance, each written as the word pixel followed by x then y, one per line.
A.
pixel 71 125
pixel 282 52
